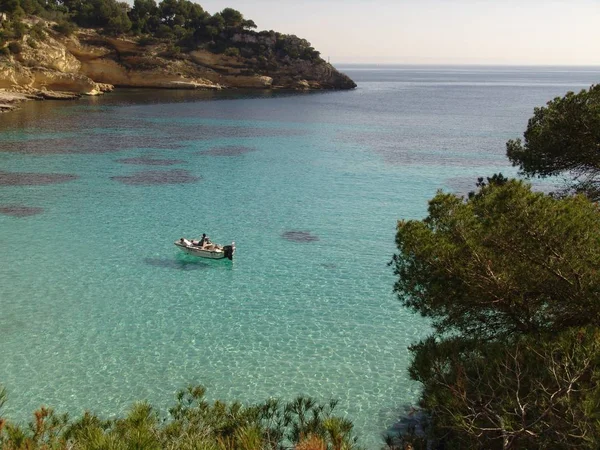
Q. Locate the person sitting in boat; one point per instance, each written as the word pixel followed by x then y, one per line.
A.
pixel 203 241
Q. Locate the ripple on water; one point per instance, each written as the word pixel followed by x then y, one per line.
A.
pixel 207 132
pixel 178 264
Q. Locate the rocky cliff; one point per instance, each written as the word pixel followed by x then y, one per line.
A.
pixel 87 63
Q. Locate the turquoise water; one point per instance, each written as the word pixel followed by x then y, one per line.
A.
pixel 99 309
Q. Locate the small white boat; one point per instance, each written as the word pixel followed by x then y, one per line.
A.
pixel 210 250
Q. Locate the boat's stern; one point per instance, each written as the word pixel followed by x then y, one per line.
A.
pixel 229 250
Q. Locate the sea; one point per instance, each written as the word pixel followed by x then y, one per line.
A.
pixel 98 308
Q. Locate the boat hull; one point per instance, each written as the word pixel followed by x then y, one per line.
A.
pixel 226 251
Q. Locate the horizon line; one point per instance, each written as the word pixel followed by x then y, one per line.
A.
pixel 464 64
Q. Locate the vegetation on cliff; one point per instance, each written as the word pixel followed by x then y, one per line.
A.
pixel 178 27
pixel 192 423
pixel 509 279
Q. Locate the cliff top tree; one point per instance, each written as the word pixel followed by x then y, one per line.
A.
pixel 235 19
pixel 563 138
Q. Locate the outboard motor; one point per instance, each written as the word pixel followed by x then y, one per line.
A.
pixel 228 251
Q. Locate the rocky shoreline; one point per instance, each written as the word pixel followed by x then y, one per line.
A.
pixel 11 100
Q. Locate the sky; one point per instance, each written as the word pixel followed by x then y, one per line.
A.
pixel 506 32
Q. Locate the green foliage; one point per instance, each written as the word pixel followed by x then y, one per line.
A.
pixel 12 7
pixel 563 139
pixel 181 13
pixel 538 391
pixel 232 51
pixel 509 278
pixel 214 25
pixel 181 23
pixel 5 35
pixel 107 14
pixel 37 31
pixel 144 16
pixel 15 29
pixel 295 47
pixel 148 40
pixel 193 423
pixel 31 7
pixel 65 27
pixel 118 24
pixel 172 51
pixel 232 17
pixel 165 32
pixel 507 260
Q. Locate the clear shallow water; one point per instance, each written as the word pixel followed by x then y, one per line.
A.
pixel 98 308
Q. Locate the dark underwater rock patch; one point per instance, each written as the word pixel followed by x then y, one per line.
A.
pixel 146 161
pixel 33 179
pixel 20 210
pixel 299 236
pixel 228 150
pixel 94 144
pixel 156 177
pixel 167 263
pixel 154 136
pixel 329 266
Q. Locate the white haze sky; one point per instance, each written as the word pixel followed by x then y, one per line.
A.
pixel 528 32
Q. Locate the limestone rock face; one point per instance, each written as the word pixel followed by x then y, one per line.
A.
pixel 53 80
pixel 49 54
pixel 13 76
pixel 249 81
pixel 109 71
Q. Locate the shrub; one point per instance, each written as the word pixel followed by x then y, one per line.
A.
pixel 172 51
pixel 193 422
pixel 147 40
pixel 164 32
pixel 19 29
pixel 15 48
pixel 65 27
pixel 37 31
pixel 232 51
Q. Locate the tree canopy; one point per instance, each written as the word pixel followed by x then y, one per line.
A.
pixel 181 24
pixel 507 260
pixel 563 138
pixel 510 280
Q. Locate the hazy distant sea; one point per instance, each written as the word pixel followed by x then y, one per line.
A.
pixel 97 306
